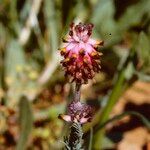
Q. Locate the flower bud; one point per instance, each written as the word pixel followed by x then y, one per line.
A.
pixel 78 112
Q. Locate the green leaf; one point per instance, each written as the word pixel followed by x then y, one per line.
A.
pixel 26 123
pixel 50 113
pixel 25 10
pixel 129 71
pixel 14 65
pixel 51 20
pixel 115 94
pixel 105 141
pixel 103 19
pixel 142 76
pixel 99 13
pixel 14 58
pixel 91 139
pixel 134 14
pixel 145 121
pixel 144 50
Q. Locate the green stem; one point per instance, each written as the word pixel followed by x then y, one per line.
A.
pixel 117 91
pixel 77 92
pixel 145 121
pixel 91 139
pixel 52 24
pixel 99 136
pixel 14 24
pixel 100 128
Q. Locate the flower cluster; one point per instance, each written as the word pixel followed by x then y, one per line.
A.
pixel 81 56
pixel 78 112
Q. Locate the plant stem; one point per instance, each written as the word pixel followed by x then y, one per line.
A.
pixel 91 139
pixel 117 91
pixel 108 108
pixel 77 92
pixel 145 120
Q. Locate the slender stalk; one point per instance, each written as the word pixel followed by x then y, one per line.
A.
pixel 117 91
pixel 91 139
pixel 145 121
pixel 77 92
pixel 108 108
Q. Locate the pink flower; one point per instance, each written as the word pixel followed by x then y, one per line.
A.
pixel 80 52
pixel 78 112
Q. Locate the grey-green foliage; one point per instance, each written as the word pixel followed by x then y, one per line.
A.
pixel 129 71
pixel 50 113
pixel 74 140
pixel 134 14
pixel 144 51
pixel 14 57
pixel 14 64
pixel 52 23
pixel 25 10
pixel 16 75
pixel 26 123
pixel 103 18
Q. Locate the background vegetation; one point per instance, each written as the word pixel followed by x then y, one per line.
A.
pixel 33 90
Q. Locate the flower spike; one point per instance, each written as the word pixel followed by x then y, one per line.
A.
pixel 81 57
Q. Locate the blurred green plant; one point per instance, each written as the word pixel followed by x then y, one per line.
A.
pixel 143 51
pixel 26 123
